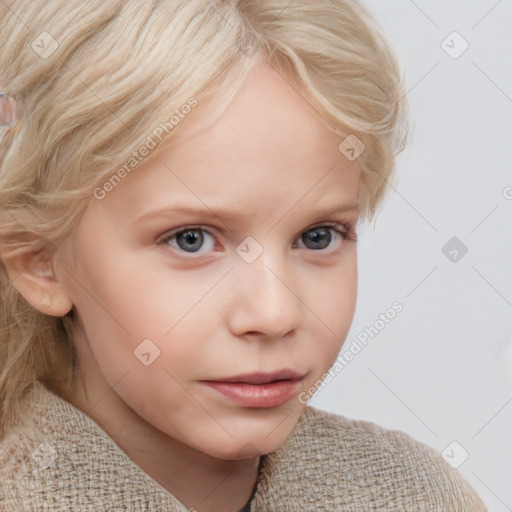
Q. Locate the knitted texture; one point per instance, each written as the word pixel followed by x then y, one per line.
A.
pixel 59 459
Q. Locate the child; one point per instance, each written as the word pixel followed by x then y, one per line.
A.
pixel 181 184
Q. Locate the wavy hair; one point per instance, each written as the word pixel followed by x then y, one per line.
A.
pixel 92 80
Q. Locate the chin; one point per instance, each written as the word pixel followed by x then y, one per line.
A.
pixel 243 451
pixel 247 446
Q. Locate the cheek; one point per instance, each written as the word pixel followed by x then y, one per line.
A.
pixel 133 314
pixel 335 293
pixel 335 306
pixel 125 294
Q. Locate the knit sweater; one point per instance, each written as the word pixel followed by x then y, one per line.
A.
pixel 59 459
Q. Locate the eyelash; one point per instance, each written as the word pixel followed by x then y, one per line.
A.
pixel 344 230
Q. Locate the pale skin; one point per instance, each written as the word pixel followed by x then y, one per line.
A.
pixel 272 162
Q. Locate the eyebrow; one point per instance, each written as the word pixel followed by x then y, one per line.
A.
pixel 227 214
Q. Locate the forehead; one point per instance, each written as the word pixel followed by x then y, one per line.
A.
pixel 270 113
pixel 269 148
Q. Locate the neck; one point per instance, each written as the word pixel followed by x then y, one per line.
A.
pixel 201 482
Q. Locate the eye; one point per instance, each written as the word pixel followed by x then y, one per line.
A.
pixel 195 240
pixel 319 238
pixel 190 240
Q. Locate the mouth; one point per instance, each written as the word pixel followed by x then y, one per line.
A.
pixel 258 390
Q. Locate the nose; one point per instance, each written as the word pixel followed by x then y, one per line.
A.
pixel 266 301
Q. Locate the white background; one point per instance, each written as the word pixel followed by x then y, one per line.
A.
pixel 441 370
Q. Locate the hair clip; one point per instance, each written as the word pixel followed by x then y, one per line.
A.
pixel 8 111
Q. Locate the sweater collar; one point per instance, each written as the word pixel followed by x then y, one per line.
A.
pixel 51 414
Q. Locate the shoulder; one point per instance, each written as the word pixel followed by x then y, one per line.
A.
pixel 378 468
pixel 59 459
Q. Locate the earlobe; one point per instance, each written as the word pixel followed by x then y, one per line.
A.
pixel 33 275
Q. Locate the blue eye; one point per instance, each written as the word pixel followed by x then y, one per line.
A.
pixel 190 240
pixel 319 238
pixel 197 241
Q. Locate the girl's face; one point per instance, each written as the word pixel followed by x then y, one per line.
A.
pixel 229 253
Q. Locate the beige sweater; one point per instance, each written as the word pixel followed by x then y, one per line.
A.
pixel 62 460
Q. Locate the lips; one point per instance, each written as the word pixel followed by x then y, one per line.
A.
pixel 258 390
pixel 261 377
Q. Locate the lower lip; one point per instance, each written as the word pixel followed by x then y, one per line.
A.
pixel 272 394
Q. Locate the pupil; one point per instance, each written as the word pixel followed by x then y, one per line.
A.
pixel 193 240
pixel 320 238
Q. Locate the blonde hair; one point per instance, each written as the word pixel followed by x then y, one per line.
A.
pixel 93 80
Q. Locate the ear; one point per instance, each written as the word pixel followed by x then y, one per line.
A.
pixel 31 271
